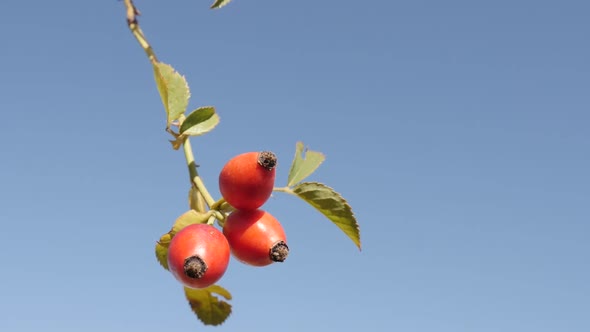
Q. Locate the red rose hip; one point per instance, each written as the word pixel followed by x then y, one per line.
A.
pixel 198 255
pixel 256 237
pixel 247 180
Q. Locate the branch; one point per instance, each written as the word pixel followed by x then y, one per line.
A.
pixel 132 14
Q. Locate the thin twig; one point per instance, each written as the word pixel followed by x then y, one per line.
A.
pixel 132 22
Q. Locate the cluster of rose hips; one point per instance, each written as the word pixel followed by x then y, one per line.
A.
pixel 198 254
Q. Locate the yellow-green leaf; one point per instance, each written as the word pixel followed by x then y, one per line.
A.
pixel 188 218
pixel 174 91
pixel 162 250
pixel 332 205
pixel 304 164
pixel 219 3
pixel 200 121
pixel 220 291
pixel 208 307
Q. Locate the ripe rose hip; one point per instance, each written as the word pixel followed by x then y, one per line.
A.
pixel 255 237
pixel 246 181
pixel 198 255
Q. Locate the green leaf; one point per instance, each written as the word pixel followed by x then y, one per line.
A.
pixel 303 166
pixel 219 3
pixel 188 218
pixel 220 291
pixel 208 307
pixel 200 121
pixel 173 89
pixel 162 250
pixel 331 205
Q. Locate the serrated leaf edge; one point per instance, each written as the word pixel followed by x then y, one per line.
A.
pixel 210 295
pixel 166 102
pixel 342 199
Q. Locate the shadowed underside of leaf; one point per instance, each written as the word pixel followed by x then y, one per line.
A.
pixel 304 164
pixel 208 307
pixel 174 91
pixel 331 205
pixel 219 3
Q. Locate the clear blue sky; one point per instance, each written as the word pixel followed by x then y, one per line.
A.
pixel 458 131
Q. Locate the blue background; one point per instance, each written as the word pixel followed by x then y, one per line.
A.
pixel 457 130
